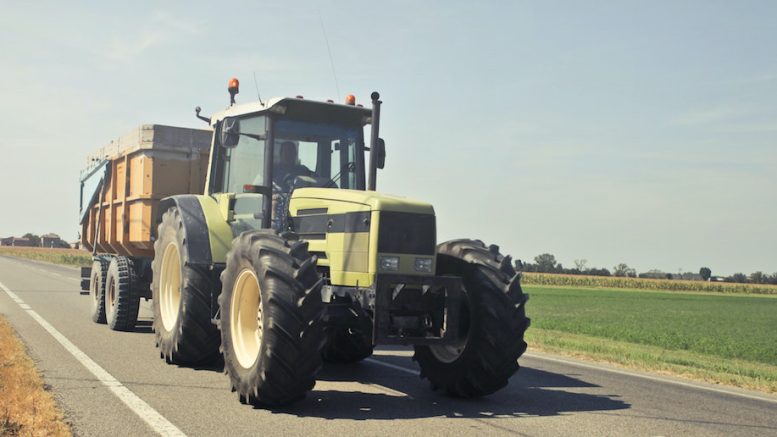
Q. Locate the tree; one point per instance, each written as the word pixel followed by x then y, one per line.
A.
pixel 737 277
pixel 758 278
pixel 705 273
pixel 580 264
pixel 546 263
pixel 623 270
pixel 598 272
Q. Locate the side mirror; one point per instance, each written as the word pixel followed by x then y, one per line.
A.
pixel 380 153
pixel 230 132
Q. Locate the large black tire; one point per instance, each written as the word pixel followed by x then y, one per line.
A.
pixel 348 345
pixel 493 322
pixel 182 322
pixel 271 307
pixel 97 289
pixel 122 300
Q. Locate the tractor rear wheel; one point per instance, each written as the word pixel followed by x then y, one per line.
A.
pixel 181 298
pixel 121 298
pixel 271 306
pixel 492 323
pixel 97 289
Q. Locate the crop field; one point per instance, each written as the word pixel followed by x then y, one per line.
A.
pixel 70 257
pixel 558 280
pixel 721 338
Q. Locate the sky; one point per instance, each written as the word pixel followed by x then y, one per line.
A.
pixel 621 131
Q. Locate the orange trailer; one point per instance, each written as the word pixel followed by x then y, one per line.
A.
pixel 125 180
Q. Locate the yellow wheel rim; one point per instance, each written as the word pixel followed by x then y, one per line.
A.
pixel 245 318
pixel 110 297
pixel 170 286
pixel 94 289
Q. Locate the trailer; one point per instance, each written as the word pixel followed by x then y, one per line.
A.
pixel 121 187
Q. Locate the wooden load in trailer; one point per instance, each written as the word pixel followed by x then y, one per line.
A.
pixel 125 180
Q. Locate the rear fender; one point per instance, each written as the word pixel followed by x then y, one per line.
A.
pixel 208 236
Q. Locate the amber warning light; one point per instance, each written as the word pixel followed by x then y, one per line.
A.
pixel 234 89
pixel 350 99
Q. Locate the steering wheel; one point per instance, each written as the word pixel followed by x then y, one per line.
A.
pixel 288 181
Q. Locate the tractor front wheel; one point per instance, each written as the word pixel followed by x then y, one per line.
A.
pixel 492 323
pixel 270 301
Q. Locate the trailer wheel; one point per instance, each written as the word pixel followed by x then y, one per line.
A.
pixel 181 298
pixel 271 307
pixel 492 325
pixel 121 298
pixel 97 289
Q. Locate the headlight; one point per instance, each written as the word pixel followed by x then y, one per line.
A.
pixel 388 263
pixel 423 265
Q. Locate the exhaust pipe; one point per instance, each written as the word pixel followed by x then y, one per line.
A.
pixel 374 139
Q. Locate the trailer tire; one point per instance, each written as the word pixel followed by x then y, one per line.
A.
pixel 97 289
pixel 181 295
pixel 122 300
pixel 492 325
pixel 271 309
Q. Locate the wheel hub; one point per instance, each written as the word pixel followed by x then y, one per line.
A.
pixel 245 318
pixel 170 286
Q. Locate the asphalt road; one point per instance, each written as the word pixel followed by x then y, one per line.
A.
pixel 102 379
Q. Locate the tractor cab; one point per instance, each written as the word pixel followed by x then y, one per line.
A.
pixel 263 151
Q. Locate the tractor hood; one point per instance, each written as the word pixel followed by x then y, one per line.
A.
pixel 374 201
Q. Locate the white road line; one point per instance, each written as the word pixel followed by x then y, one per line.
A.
pixel 149 415
pixel 654 378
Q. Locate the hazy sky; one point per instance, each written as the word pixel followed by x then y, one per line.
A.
pixel 637 132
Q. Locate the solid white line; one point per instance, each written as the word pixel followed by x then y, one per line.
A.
pixel 653 378
pixel 149 415
pixel 392 366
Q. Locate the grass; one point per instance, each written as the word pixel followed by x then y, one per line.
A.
pixel 26 408
pixel 558 280
pixel 70 257
pixel 730 339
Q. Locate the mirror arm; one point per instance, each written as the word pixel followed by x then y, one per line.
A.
pixel 197 112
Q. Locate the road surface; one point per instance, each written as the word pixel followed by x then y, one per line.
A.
pixel 114 383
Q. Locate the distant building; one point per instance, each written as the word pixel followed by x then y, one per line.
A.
pixel 52 240
pixel 16 241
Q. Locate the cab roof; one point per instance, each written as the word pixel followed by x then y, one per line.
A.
pixel 295 106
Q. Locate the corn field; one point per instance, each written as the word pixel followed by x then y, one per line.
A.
pixel 550 279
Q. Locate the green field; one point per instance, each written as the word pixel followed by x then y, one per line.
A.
pixel 720 338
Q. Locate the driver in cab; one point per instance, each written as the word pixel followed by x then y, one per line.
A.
pixel 288 167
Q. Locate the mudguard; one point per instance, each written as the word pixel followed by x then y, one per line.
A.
pixel 208 236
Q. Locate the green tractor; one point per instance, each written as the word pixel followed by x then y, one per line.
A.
pixel 291 258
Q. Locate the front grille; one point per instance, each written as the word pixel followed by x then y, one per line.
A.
pixel 407 233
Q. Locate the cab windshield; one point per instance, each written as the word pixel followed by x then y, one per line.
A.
pixel 322 154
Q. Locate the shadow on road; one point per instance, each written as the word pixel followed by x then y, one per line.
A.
pixel 531 392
